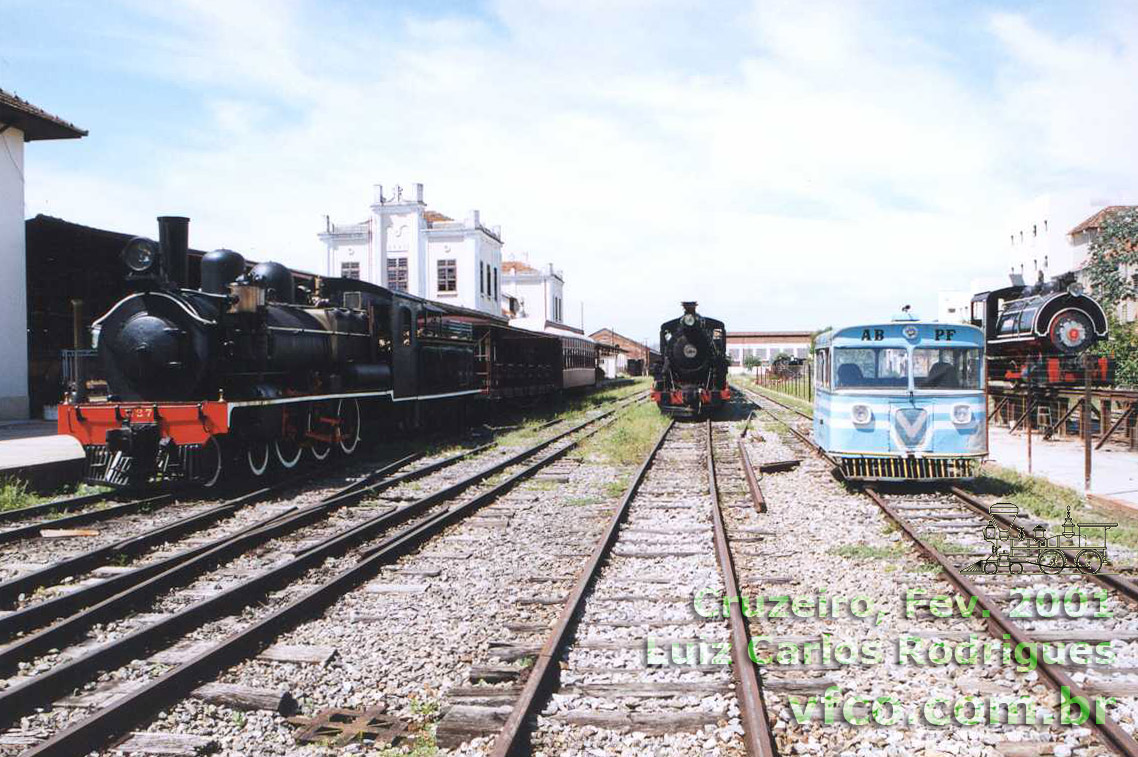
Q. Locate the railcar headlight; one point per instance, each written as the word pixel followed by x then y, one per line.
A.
pixel 961 414
pixel 861 414
pixel 140 255
pixel 688 320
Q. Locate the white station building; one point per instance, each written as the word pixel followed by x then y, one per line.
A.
pixel 406 247
pixel 20 122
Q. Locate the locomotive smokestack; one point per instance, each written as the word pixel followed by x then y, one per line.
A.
pixel 689 307
pixel 173 240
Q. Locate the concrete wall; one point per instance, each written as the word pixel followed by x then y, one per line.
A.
pixel 13 279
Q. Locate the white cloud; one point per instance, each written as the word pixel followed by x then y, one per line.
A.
pixel 787 164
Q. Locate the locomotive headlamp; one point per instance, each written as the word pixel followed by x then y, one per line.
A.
pixel 141 255
pixel 961 414
pixel 1075 289
pixel 688 319
pixel 861 414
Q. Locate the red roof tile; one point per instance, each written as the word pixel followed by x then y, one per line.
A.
pixel 34 122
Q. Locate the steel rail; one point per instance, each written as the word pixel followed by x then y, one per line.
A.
pixel 1111 581
pixel 80 519
pixel 757 735
pixel 56 682
pixel 1109 731
pixel 94 731
pixel 131 590
pixel 752 480
pixel 513 739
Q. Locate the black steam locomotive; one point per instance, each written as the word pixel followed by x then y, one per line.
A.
pixel 691 377
pixel 254 372
pixel 1039 334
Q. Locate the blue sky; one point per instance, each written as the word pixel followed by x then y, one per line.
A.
pixel 788 164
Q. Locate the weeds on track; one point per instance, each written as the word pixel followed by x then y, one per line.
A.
pixel 867 552
pixel 14 494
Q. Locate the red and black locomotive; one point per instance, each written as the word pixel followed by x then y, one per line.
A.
pixel 253 372
pixel 691 378
pixel 1039 334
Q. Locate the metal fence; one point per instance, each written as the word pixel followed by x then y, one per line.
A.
pixel 795 379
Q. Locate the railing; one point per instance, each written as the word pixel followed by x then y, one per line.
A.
pixel 793 379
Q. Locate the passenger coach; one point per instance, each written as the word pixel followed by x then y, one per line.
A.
pixel 902 400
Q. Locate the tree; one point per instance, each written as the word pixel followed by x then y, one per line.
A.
pixel 1114 255
pixel 751 361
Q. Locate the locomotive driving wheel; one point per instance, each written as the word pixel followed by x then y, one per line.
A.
pixel 210 463
pixel 1052 561
pixel 1089 561
pixel 287 445
pixel 257 457
pixel 348 411
pixel 321 430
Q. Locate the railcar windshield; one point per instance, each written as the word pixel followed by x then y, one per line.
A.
pixel 946 368
pixel 871 368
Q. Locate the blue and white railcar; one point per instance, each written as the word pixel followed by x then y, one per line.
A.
pixel 902 401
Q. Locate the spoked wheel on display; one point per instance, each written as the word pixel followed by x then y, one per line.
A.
pixel 257 458
pixel 348 412
pixel 210 463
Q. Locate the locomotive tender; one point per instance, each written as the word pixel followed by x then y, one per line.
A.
pixel 901 401
pixel 253 371
pixel 1038 334
pixel 691 377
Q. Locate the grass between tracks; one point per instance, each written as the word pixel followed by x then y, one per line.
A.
pixel 782 397
pixel 15 494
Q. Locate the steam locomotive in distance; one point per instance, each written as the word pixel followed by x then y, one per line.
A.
pixel 252 372
pixel 1038 334
pixel 691 377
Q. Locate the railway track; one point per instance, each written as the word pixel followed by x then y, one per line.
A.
pixel 610 659
pixel 1028 609
pixel 245 597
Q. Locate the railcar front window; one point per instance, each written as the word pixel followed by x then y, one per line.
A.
pixel 946 368
pixel 871 368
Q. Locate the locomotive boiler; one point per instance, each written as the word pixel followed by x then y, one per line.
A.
pixel 1039 334
pixel 691 378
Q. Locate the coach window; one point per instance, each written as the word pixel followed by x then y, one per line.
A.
pixel 405 323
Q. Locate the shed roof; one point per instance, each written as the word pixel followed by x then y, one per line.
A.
pixel 36 123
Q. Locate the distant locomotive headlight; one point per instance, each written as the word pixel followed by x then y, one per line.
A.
pixel 691 351
pixel 141 255
pixel 688 319
pixel 961 414
pixel 861 414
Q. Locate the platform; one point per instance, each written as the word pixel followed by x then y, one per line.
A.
pixel 1114 472
pixel 32 452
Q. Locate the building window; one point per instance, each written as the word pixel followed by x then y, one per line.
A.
pixel 397 274
pixel 481 277
pixel 448 275
pixel 495 283
pixel 350 269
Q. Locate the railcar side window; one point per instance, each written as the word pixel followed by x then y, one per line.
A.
pixel 946 368
pixel 871 368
